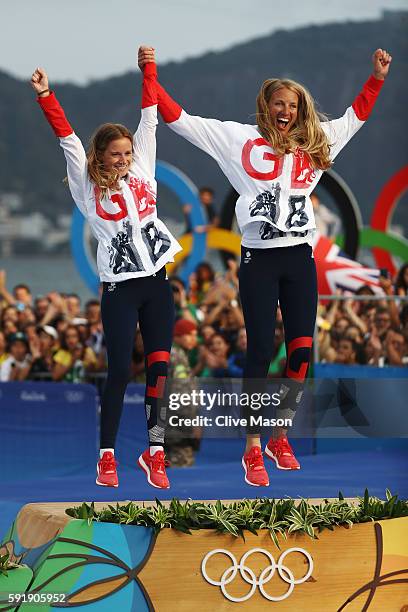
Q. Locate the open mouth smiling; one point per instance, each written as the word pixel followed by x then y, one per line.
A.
pixel 282 123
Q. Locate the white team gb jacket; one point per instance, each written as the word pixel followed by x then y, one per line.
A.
pixel 272 190
pixel 132 241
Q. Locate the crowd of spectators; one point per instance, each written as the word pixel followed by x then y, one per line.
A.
pixel 54 337
pixel 367 331
pixel 48 337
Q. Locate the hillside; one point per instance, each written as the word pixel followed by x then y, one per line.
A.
pixel 333 61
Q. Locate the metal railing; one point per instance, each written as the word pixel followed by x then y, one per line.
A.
pixel 98 378
pixel 365 298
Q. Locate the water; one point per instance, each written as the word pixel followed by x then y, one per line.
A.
pixel 44 274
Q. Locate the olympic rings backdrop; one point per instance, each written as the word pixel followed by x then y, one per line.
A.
pixel 376 236
pixel 187 193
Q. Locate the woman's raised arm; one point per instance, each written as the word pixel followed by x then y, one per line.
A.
pixel 144 139
pixel 340 131
pixel 73 150
pixel 211 135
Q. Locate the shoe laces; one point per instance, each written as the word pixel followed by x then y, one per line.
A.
pixel 255 459
pixel 284 448
pixel 108 464
pixel 159 463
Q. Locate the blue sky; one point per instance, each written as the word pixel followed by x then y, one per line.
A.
pixel 79 40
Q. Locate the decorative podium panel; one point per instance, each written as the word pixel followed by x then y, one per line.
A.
pixel 108 567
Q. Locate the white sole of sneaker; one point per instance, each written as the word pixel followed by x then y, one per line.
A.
pixel 253 484
pixel 141 462
pixel 103 484
pixel 269 454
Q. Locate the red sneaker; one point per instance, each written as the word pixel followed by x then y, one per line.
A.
pixel 155 468
pixel 106 471
pixel 281 452
pixel 253 464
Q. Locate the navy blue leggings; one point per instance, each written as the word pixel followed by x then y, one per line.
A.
pixel 149 301
pixel 287 274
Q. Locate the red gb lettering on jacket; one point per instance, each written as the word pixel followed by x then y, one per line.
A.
pixel 247 150
pixel 116 198
pixel 302 172
pixel 143 195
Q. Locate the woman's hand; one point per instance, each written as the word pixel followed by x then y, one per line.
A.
pixel 35 347
pixel 381 63
pixel 145 55
pixel 211 360
pixel 386 284
pixel 39 82
pixel 57 301
pixel 77 353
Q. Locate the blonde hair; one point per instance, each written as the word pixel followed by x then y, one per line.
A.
pixel 306 134
pixel 97 147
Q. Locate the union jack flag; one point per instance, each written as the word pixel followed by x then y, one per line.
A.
pixel 337 271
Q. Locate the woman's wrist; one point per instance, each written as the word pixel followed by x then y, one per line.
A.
pixel 150 69
pixel 44 93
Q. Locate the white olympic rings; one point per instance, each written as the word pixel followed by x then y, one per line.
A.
pixel 249 576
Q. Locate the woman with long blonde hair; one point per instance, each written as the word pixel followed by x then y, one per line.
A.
pixel 274 166
pixel 114 186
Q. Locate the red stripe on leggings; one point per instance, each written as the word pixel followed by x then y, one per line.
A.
pixel 301 342
pixel 158 390
pixel 158 356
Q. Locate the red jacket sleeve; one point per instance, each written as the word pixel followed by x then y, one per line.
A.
pixel 364 103
pixel 149 91
pixel 168 108
pixel 55 115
